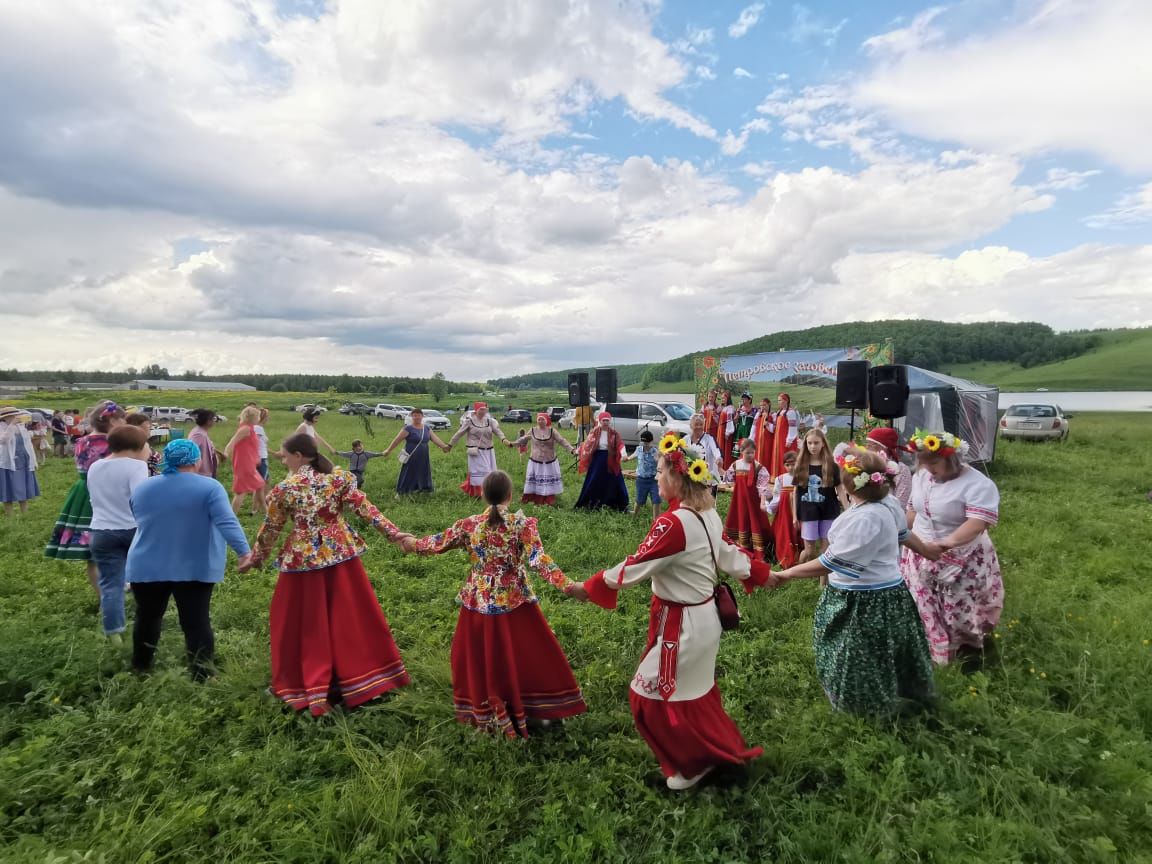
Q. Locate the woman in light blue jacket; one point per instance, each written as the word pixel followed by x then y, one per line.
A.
pixel 184 525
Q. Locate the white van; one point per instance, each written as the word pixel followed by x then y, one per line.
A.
pixel 168 414
pixel 632 418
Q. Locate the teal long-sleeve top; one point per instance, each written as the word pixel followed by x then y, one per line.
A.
pixel 184 525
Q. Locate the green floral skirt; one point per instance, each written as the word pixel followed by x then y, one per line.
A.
pixel 872 656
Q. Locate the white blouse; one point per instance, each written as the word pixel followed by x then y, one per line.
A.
pixel 941 508
pixel 863 551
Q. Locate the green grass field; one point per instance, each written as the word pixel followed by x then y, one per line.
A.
pixel 1043 756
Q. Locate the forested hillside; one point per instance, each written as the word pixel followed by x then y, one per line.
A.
pixel 930 344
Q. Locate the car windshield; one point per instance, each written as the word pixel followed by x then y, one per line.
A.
pixel 677 410
pixel 1032 411
pixel 430 413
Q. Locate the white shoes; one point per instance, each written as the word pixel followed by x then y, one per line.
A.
pixel 678 782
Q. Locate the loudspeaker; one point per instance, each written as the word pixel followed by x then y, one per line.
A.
pixel 852 384
pixel 606 385
pixel 888 391
pixel 577 389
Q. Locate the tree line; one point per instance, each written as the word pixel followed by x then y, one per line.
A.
pixel 438 385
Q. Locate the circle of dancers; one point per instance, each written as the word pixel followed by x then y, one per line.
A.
pixel 910 576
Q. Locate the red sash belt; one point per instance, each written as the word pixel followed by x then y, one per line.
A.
pixel 664 624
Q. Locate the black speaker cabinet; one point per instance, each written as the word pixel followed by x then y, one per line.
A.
pixel 852 384
pixel 577 389
pixel 888 391
pixel 606 385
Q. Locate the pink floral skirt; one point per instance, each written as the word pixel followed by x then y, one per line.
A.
pixel 960 597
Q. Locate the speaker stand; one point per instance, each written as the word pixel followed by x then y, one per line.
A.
pixel 852 426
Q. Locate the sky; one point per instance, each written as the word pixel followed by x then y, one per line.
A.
pixel 489 187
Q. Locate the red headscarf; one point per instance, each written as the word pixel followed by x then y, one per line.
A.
pixel 887 437
pixel 476 406
pixel 547 419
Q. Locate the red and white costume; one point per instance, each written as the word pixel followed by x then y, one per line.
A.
pixel 762 435
pixel 747 524
pixel 785 429
pixel 726 429
pixel 675 701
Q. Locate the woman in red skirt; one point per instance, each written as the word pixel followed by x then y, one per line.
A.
pixel 508 670
pixel 330 640
pixel 675 702
pixel 747 524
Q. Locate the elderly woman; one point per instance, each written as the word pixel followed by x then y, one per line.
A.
pixel 702 440
pixel 675 702
pixel 871 654
pixel 542 482
pixel 184 526
pixel 330 640
pixel 478 429
pixel 961 595
pixel 18 461
pixel 600 457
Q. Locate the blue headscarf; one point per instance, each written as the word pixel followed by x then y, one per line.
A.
pixel 180 452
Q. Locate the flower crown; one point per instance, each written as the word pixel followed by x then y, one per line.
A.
pixel 685 459
pixel 850 464
pixel 937 443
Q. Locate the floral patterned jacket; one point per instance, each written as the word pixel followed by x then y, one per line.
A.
pixel 501 555
pixel 314 503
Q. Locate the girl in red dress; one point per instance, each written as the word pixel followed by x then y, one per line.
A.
pixel 244 451
pixel 747 524
pixel 785 529
pixel 508 670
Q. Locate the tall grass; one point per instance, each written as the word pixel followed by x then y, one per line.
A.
pixel 1041 756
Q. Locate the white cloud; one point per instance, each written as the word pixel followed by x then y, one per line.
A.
pixel 741 72
pixel 1062 179
pixel 1073 77
pixel 731 145
pixel 808 27
pixel 748 18
pixel 917 35
pixel 705 73
pixel 1134 208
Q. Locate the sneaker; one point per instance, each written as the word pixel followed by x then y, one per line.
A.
pixel 678 782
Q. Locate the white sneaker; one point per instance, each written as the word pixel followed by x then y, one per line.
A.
pixel 678 782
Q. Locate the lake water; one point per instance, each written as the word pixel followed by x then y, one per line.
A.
pixel 1085 400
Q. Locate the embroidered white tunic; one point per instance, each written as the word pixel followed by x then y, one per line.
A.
pixel 941 508
pixel 863 551
pixel 677 557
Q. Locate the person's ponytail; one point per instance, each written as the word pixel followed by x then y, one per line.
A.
pixel 497 490
pixel 305 445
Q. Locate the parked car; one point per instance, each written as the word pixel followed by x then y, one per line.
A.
pixel 433 419
pixel 390 411
pixel 308 406
pixel 1041 421
pixel 632 418
pixel 568 419
pixel 516 415
pixel 555 412
pixel 356 408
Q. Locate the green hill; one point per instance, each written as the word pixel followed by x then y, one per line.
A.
pixel 1122 361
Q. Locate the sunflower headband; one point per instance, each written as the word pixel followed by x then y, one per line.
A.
pixel 851 466
pixel 937 443
pixel 685 459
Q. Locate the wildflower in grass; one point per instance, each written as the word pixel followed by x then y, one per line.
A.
pixel 1043 674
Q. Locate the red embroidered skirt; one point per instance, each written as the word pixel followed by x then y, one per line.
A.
pixel 691 736
pixel 509 668
pixel 330 640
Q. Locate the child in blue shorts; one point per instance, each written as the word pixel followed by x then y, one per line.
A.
pixel 646 456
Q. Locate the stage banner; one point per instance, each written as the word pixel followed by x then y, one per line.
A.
pixel 815 367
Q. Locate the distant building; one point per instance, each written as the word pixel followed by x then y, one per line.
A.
pixel 164 384
pixel 59 386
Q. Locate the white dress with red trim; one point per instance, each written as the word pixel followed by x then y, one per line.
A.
pixel 675 701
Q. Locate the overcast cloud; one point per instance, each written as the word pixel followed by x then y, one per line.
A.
pixel 486 187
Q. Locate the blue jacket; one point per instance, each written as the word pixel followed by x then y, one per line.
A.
pixel 184 523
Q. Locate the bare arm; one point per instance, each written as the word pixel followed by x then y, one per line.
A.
pixel 400 436
pixel 968 531
pixel 435 439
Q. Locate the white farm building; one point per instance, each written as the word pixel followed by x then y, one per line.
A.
pixel 163 384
